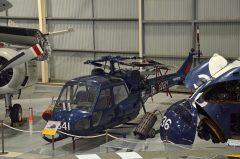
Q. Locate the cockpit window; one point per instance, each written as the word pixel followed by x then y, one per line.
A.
pixel 120 93
pixel 66 95
pixel 104 99
pixel 84 97
pixel 80 96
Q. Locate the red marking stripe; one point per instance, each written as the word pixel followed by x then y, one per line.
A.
pixel 37 50
pixel 188 68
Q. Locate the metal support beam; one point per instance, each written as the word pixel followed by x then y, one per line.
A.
pixel 93 30
pixel 194 17
pixel 167 21
pixel 96 51
pixel 92 19
pixel 43 29
pixel 140 28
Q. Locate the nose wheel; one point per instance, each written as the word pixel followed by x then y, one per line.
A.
pixel 16 113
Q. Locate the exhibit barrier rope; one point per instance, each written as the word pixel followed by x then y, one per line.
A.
pixel 137 142
pixel 26 131
pixel 96 136
pixel 167 141
pixel 88 137
pixel 82 137
pixel 105 134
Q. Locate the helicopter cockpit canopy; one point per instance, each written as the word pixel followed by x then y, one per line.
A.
pixel 78 96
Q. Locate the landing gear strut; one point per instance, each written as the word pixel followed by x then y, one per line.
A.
pixel 207 129
pixel 16 113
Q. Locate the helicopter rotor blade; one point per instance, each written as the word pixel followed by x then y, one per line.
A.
pixel 92 62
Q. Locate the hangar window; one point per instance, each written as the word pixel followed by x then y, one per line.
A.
pixel 120 93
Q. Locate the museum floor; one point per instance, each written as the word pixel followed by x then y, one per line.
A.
pixel 30 146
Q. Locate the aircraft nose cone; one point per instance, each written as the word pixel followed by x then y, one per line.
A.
pixel 179 123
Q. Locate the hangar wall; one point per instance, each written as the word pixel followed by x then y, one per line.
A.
pixel 107 27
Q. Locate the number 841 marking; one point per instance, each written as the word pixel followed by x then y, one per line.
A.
pixel 65 126
pixel 166 123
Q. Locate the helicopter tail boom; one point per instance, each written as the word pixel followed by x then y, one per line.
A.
pixel 186 66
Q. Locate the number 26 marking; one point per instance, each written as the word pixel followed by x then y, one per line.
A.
pixel 166 123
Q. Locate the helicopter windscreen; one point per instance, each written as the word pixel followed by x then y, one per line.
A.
pixel 78 96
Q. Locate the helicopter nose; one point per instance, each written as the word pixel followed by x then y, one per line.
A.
pixel 179 123
pixel 47 115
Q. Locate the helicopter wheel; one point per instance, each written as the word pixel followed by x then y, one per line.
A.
pixel 16 113
pixel 152 133
pixel 215 133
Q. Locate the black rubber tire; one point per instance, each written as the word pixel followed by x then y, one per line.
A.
pixel 152 133
pixel 16 113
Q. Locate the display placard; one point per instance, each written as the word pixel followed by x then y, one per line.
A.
pixel 51 127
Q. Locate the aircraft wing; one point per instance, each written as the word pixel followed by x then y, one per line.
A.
pixel 5 5
pixel 26 37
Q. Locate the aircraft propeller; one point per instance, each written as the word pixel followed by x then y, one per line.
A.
pixel 6 75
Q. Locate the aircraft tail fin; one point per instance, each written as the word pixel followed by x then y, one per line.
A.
pixel 187 64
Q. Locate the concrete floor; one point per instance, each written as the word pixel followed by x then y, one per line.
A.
pixel 29 146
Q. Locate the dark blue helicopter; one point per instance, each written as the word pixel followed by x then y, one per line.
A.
pixel 102 100
pixel 215 101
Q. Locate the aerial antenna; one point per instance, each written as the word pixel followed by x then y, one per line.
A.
pixel 60 32
pixel 199 53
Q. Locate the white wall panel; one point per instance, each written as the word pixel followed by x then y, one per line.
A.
pixel 116 8
pixel 3 13
pixel 70 8
pixel 168 39
pixel 116 36
pixel 3 22
pixel 175 62
pixel 221 38
pixel 65 66
pixel 168 9
pixel 100 54
pixel 23 8
pixel 81 38
pixel 218 9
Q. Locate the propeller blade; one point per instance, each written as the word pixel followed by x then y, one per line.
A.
pixel 24 56
pixel 6 65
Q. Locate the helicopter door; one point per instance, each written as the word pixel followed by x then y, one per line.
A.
pixel 103 106
pixel 125 103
